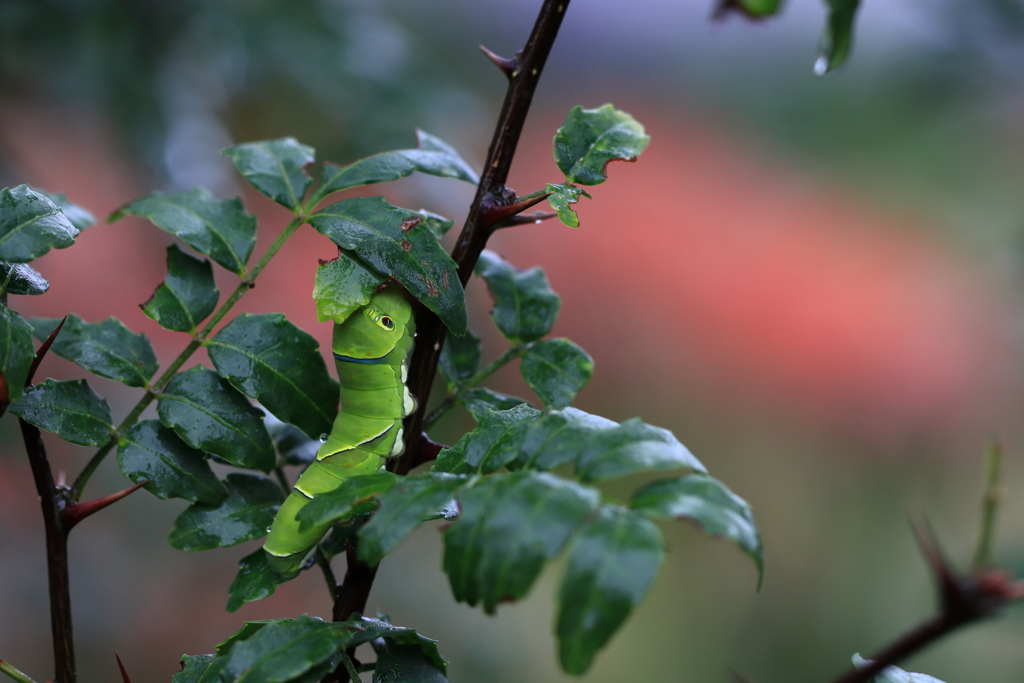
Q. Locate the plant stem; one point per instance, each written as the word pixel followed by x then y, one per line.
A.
pixel 154 390
pixel 989 507
pixel 474 381
pixel 349 667
pixel 11 671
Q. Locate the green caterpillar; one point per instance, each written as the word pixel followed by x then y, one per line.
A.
pixel 371 349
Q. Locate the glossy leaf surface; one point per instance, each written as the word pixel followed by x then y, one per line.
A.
pixel 211 415
pixel 562 196
pixel 255 580
pixel 71 410
pixel 186 296
pixel 481 400
pixel 30 225
pixel 329 507
pixel 16 355
pixel 341 286
pixel 496 440
pixel 268 358
pixel 837 40
pixel 559 437
pixel 193 667
pixel 460 358
pixel 218 228
pixel 365 629
pixel 591 138
pixel 151 452
pixel 633 446
pixel 612 565
pixel 556 370
pixel 407 664
pixel 525 307
pixel 108 348
pixel 22 279
pixel 275 167
pixel 396 242
pixel 285 650
pixel 78 216
pixel 245 514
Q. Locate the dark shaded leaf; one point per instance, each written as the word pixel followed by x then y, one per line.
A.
pixel 22 279
pixel 209 414
pixel 366 630
pixel 508 527
pixel 186 296
pixel 495 441
pixel 193 667
pixel 434 157
pixel 31 224
pixel 591 138
pixel 342 286
pixel 556 370
pixel 480 401
pixel 268 358
pixel 561 198
pixel 275 167
pixel 285 650
pixel 402 508
pixel 632 447
pixel 558 438
pixel 709 504
pixel 894 674
pixel 407 664
pixel 837 40
pixel 108 348
pixel 525 307
pixel 397 242
pixel 149 451
pixel 245 514
pixel 255 580
pixel 249 629
pixel 218 228
pixel 460 358
pixel 327 508
pixel 79 217
pixel 16 355
pixel 612 565
pixel 71 410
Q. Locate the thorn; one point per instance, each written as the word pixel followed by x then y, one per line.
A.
pixel 76 512
pixel 41 353
pixel 524 219
pixel 493 213
pixel 124 674
pixel 507 66
pixel 949 585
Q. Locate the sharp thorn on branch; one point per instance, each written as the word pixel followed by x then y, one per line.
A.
pixel 494 214
pixel 525 219
pixel 76 512
pixel 507 66
pixel 41 353
pixel 124 674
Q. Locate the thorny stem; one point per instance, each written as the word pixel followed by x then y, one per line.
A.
pixel 989 507
pixel 498 363
pixel 154 390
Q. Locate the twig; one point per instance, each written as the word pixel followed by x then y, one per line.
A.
pixel 11 671
pixel 501 361
pixel 989 507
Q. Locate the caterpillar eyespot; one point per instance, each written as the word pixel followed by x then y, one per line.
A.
pixel 371 352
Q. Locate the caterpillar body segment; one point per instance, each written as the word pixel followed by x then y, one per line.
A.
pixel 371 351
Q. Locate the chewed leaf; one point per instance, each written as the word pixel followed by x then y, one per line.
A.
pixel 591 138
pixel 275 167
pixel 837 40
pixel 31 224
pixel 561 198
pixel 341 286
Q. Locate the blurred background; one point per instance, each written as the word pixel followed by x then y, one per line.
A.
pixel 816 283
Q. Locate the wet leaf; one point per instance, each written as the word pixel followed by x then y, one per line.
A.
pixel 460 358
pixel 561 198
pixel 893 674
pixel 268 358
pixel 31 224
pixel 612 564
pixel 71 410
pixel 285 650
pixel 255 580
pixel 79 217
pixel 108 348
pixel 211 415
pixel 525 307
pixel 327 508
pixel 186 296
pixel 481 401
pixel 149 451
pixel 245 514
pixel 193 667
pixel 495 441
pixel 22 279
pixel 16 355
pixel 591 138
pixel 275 167
pixel 556 370
pixel 632 447
pixel 342 286
pixel 218 228
pixel 396 242
pixel 438 225
pixel 559 437
pixel 837 40
pixel 366 629
pixel 407 664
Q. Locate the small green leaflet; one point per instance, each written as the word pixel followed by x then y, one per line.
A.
pixel 892 674
pixel 591 138
pixel 218 228
pixel 525 307
pixel 556 370
pixel 837 39
pixel 276 168
pixel 71 410
pixel 354 492
pixel 755 9
pixel 481 400
pixel 108 348
pixel 255 580
pixel 31 224
pixel 245 514
pixel 341 286
pixel 460 358
pixel 561 198
pixel 192 668
pixel 494 442
pixel 186 296
pixel 79 217
pixel 16 355
pixel 151 452
pixel 406 663
pixel 18 278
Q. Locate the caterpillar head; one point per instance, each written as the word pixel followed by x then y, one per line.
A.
pixel 374 330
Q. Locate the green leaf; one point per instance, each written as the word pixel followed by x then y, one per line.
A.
pixel 255 580
pixel 632 447
pixel 525 307
pixel 248 630
pixel 434 157
pixel 275 167
pixel 591 138
pixel 402 508
pixel 31 224
pixel 556 370
pixel 612 565
pixel 16 355
pixel 79 217
pixel 407 664
pixel 209 414
pixel 149 451
pixel 755 9
pixel 709 504
pixel 22 279
pixel 438 225
pixel 186 296
pixel 365 630
pixel 218 228
pixel 460 358
pixel 342 286
pixel 508 527
pixel 561 197
pixel 397 242
pixel 71 410
pixel 192 668
pixel 245 514
pixel 481 401
pixel 892 674
pixel 268 358
pixel 495 440
pixel 327 508
pixel 837 40
pixel 558 438
pixel 108 348
pixel 285 650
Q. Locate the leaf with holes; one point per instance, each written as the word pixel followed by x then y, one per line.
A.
pixel 275 167
pixel 31 224
pixel 591 138
pixel 186 296
pixel 71 410
pixel 556 370
pixel 525 307
pixel 562 196
pixel 151 452
pixel 245 514
pixel 108 348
